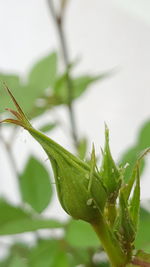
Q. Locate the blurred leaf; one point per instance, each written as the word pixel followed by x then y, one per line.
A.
pixel 4 263
pixel 131 155
pixel 83 82
pixel 143 235
pixel 48 127
pixel 82 148
pixel 14 220
pixel 35 185
pixel 80 234
pixel 43 74
pixel 79 85
pixel 144 136
pixel 17 261
pixel 103 264
pixel 12 81
pixel 48 253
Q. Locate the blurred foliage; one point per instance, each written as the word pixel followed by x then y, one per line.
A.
pixel 45 87
pixel 131 154
pixel 33 192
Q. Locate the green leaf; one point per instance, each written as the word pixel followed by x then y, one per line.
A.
pixel 35 185
pixel 17 261
pixel 14 220
pixel 143 235
pixel 80 234
pixel 48 253
pixel 79 85
pixel 43 74
pixel 48 127
pixel 143 137
pixel 131 155
pixel 12 81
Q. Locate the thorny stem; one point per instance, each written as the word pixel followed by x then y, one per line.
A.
pixel 59 25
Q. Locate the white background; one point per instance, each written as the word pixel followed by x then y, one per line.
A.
pixel 103 35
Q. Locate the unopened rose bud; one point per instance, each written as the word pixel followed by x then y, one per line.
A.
pixel 80 190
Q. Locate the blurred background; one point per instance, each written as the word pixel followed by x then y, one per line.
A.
pixel 102 36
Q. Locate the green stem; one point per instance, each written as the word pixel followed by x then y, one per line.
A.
pixel 58 19
pixel 115 254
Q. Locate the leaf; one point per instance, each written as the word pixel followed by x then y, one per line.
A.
pixel 81 83
pixel 17 261
pixel 12 81
pixel 80 234
pixel 35 185
pixel 143 235
pixel 41 77
pixel 14 220
pixel 143 137
pixel 78 84
pixel 48 127
pixel 131 155
pixel 43 74
pixel 48 253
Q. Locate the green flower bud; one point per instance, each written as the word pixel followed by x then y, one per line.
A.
pixel 80 190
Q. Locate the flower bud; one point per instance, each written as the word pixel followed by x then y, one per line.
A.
pixel 80 190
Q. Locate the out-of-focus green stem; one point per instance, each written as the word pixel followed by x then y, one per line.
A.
pixel 58 19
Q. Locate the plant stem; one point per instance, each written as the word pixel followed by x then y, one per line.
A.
pixel 59 25
pixel 110 244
